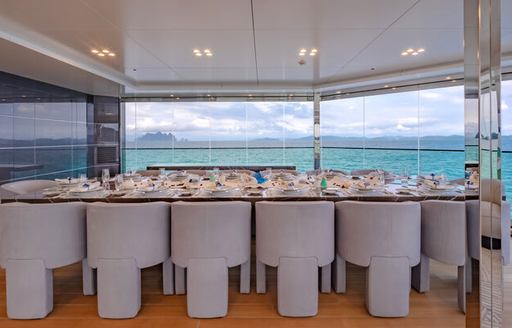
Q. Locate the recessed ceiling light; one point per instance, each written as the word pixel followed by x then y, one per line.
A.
pixel 304 51
pixel 412 52
pixel 101 54
pixel 448 78
pixel 199 52
pixel 111 54
pixel 94 51
pixel 386 86
pixel 178 98
pixel 171 95
pixel 105 51
pixel 393 88
pixel 454 81
pixel 338 92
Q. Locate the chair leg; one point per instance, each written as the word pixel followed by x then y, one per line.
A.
pixel 119 288
pixel 297 286
pixel 245 277
pixel 207 288
pixel 168 277
pixel 261 278
pixel 325 272
pixel 469 274
pixel 421 275
pixel 340 272
pixel 29 289
pixel 388 286
pixel 461 287
pixel 179 280
pixel 88 278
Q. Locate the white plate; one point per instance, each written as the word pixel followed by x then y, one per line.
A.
pixel 292 191
pixel 220 191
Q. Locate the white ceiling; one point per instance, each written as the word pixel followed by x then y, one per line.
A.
pixel 255 43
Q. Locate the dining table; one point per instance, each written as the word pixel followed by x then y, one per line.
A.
pixel 224 186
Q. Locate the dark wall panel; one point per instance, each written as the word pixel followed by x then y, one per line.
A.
pixel 49 132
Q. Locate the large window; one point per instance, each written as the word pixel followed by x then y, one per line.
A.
pixel 218 133
pixel 421 131
pixel 506 133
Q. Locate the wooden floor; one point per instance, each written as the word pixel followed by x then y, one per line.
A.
pixel 438 308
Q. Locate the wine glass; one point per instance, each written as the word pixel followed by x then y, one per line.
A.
pixel 404 177
pixel 118 181
pixel 105 178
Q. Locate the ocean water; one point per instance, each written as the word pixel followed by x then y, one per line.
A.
pixel 449 163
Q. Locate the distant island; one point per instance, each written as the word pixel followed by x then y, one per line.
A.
pixel 168 140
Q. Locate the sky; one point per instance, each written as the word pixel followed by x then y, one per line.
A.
pixel 432 112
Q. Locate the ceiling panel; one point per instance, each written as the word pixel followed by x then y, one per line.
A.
pixel 157 74
pixel 279 49
pixel 441 47
pixel 434 14
pixel 231 48
pixel 53 15
pixel 312 14
pixel 157 37
pixel 129 54
pixel 175 14
pixel 212 74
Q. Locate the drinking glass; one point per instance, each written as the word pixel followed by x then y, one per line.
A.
pixel 105 178
pixel 404 177
pixel 162 174
pixel 118 180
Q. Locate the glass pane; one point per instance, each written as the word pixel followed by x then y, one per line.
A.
pixel 442 132
pixel 391 132
pixel 342 133
pixel 506 136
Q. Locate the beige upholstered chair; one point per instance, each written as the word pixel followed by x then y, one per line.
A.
pixel 443 238
pixel 34 240
pixel 384 238
pixel 28 186
pixel 297 238
pixel 208 238
pixel 122 239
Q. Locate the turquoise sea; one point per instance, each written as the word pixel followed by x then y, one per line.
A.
pixel 449 163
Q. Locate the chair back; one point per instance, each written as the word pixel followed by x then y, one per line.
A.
pixel 140 231
pixel 294 229
pixel 28 186
pixel 54 233
pixel 211 230
pixel 367 229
